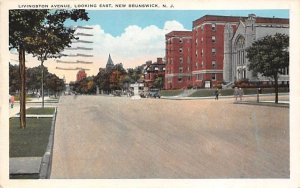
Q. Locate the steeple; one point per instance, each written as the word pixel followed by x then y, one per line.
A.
pixel 109 64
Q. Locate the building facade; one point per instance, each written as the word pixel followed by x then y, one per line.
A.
pixel 208 49
pixel 249 30
pixel 81 74
pixel 214 51
pixel 178 60
pixel 153 71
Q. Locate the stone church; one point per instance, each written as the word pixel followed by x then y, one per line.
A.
pixel 237 40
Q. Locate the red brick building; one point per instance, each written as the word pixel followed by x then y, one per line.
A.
pixel 208 49
pixel 178 60
pixel 153 71
pixel 196 58
pixel 80 75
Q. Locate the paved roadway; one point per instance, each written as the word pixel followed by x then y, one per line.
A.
pixel 116 137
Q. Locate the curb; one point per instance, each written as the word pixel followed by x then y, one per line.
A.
pixel 45 169
pixel 220 97
pixel 280 105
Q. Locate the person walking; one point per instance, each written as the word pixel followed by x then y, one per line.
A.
pixel 12 101
pixel 241 93
pixel 217 94
pixel 236 93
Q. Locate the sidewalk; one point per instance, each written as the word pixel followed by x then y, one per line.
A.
pixel 24 165
pixel 16 109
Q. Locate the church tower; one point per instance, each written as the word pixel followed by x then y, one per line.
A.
pixel 109 64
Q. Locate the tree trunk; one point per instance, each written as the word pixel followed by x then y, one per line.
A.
pixel 42 65
pixel 276 89
pixel 22 87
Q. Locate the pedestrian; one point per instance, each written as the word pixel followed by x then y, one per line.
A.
pixel 217 94
pixel 241 93
pixel 12 101
pixel 236 93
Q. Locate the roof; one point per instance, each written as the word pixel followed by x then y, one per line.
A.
pixel 217 18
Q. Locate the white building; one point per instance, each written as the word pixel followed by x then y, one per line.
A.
pixel 235 43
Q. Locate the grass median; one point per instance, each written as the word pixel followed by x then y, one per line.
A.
pixel 31 141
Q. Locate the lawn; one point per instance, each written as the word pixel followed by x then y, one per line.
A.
pixel 229 92
pixel 31 141
pixel 170 92
pixel 40 111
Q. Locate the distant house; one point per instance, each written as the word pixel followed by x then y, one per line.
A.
pixel 154 71
pixel 80 75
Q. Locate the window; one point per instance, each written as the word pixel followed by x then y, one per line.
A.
pixel 213 64
pixel 181 60
pixel 213 76
pixel 180 40
pixel 180 69
pixel 199 76
pixel 180 50
pixel 213 27
pixel 213 50
pixel 213 39
pixel 180 79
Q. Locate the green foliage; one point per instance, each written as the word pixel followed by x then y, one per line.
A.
pixel 85 86
pixel 269 55
pixel 117 77
pixel 34 77
pixel 159 82
pixel 14 78
pixel 54 83
pixel 41 33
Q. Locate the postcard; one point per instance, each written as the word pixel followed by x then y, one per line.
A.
pixel 149 94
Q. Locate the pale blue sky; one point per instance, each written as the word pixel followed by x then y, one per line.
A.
pixel 115 21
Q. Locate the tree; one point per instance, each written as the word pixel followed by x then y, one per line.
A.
pixel 158 82
pixel 102 79
pixel 34 79
pixel 54 84
pixel 14 78
pixel 32 31
pixel 269 56
pixel 52 37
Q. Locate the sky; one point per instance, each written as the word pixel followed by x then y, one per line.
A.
pixel 115 21
pixel 132 37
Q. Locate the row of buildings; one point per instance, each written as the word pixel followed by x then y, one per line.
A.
pixel 213 52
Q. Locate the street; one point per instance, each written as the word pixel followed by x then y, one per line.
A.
pixel 117 137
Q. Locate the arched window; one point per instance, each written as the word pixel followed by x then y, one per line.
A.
pixel 240 50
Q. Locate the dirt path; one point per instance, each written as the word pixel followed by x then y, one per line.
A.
pixel 113 137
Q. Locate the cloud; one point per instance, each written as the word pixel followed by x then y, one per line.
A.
pixel 134 46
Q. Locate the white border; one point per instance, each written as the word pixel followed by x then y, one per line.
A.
pixel 293 182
